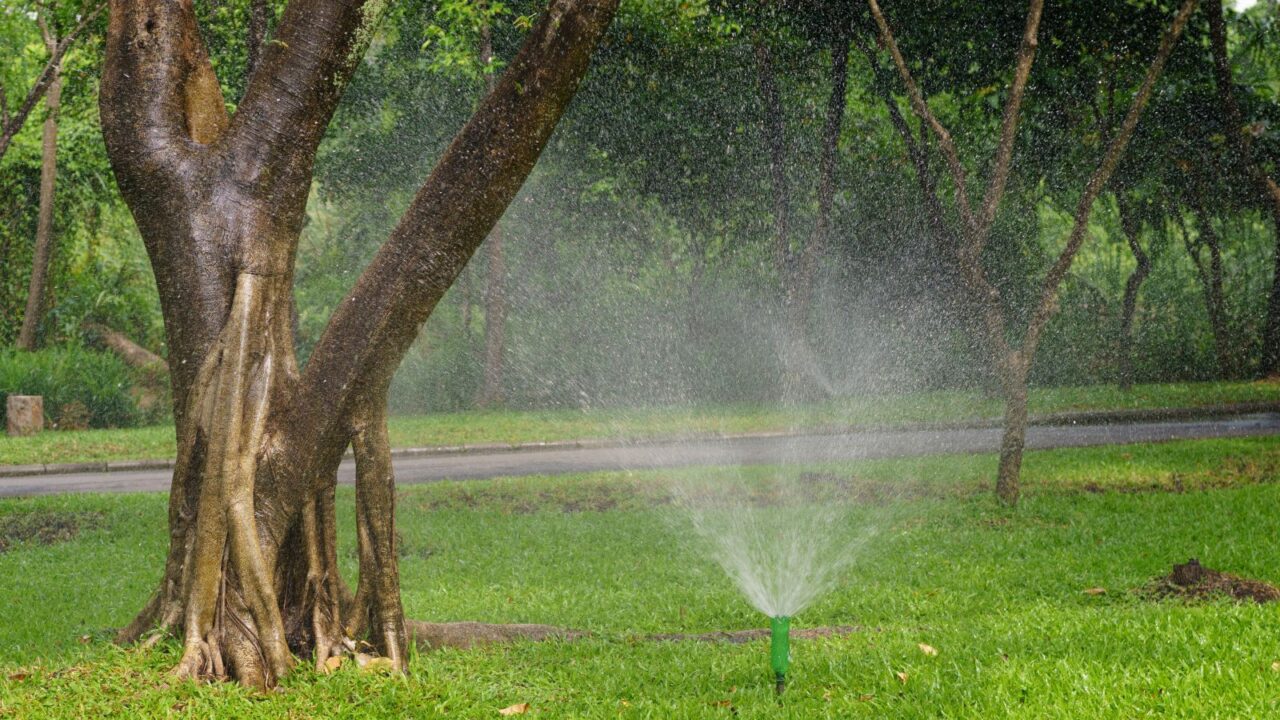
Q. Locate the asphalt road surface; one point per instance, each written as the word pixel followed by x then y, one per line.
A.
pixel 735 451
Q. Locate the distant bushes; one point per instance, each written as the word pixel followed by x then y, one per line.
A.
pixel 80 387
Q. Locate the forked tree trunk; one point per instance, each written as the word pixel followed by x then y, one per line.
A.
pixel 1131 228
pixel 44 223
pixel 251 578
pixel 1014 362
pixel 1211 285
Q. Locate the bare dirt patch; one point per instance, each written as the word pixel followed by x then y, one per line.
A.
pixel 1193 581
pixel 738 637
pixel 44 527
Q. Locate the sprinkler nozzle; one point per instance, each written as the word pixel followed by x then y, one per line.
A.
pixel 780 650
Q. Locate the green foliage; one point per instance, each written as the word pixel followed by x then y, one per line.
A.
pixel 98 381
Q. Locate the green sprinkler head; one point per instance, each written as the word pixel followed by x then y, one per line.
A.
pixel 780 650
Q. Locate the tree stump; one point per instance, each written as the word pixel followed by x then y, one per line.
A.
pixel 25 415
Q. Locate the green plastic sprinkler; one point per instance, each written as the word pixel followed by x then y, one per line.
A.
pixel 780 650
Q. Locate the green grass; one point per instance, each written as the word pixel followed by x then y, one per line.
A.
pixel 998 593
pixel 477 427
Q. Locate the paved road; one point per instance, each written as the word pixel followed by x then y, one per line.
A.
pixel 737 451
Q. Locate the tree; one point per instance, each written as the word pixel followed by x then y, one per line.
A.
pixel 48 175
pixel 251 574
pixel 11 123
pixel 1241 154
pixel 1013 356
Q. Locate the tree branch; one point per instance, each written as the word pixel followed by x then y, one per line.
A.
pixel 915 150
pixel 159 100
pixel 1009 123
pixel 449 217
pixel 295 88
pixel 13 123
pixel 1057 273
pixel 926 116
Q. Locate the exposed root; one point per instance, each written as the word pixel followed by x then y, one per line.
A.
pixel 378 593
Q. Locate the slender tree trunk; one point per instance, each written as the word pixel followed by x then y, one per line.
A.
pixel 251 578
pixel 44 225
pixel 1211 284
pixel 775 138
pixel 495 296
pixel 1132 232
pixel 1014 439
pixel 1268 191
pixel 495 321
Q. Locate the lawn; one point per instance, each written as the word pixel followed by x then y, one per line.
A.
pixel 999 594
pixel 510 426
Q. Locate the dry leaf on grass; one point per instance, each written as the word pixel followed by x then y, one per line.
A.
pixel 18 677
pixel 929 650
pixel 902 677
pixel 517 709
pixel 1095 591
pixel 331 664
pixel 1276 666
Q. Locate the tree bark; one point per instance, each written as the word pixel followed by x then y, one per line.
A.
pixel 44 224
pixel 495 297
pixel 1131 228
pixel 251 576
pixel 1014 439
pixel 1268 191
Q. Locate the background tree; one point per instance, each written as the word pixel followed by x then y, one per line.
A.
pixel 1014 360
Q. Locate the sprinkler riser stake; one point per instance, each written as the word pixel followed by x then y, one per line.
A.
pixel 780 650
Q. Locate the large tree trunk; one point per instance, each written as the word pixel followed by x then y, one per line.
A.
pixel 44 223
pixel 1268 191
pixel 251 577
pixel 1131 228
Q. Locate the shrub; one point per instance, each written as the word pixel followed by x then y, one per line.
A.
pixel 92 388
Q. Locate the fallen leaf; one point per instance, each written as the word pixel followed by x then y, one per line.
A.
pixel 1095 591
pixel 1276 666
pixel 902 677
pixel 929 650
pixel 517 709
pixel 722 703
pixel 868 697
pixel 19 677
pixel 332 663
pixel 85 639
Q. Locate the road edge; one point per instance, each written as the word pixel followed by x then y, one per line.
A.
pixel 1090 417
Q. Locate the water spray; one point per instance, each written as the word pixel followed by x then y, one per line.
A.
pixel 780 650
